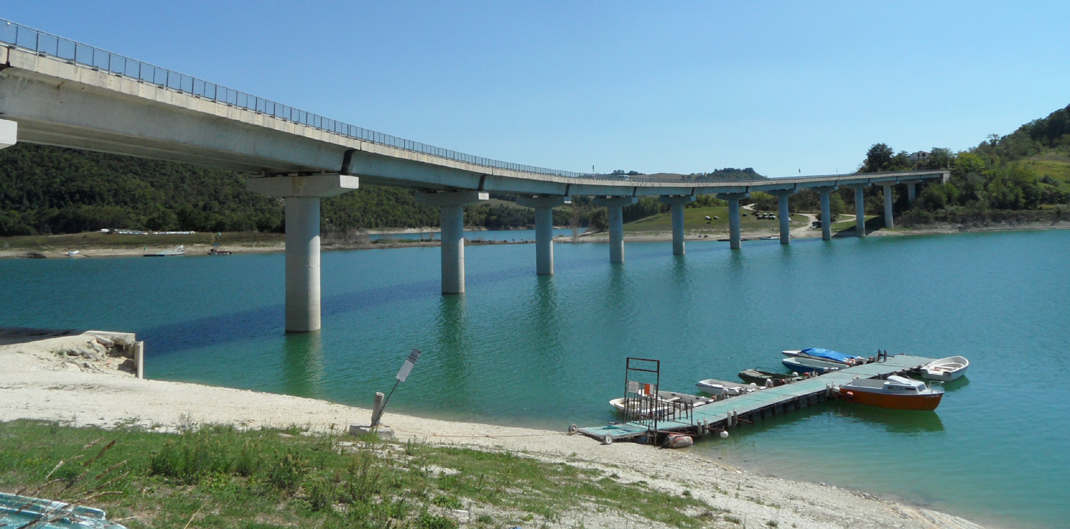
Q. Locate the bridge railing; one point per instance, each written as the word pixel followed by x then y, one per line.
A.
pixel 59 48
pixel 56 47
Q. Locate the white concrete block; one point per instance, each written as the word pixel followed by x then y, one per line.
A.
pixel 9 133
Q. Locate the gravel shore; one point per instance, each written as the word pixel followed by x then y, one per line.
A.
pixel 76 380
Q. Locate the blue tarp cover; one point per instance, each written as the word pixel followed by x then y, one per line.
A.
pixel 831 355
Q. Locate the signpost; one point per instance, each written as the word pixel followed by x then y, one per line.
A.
pixel 403 373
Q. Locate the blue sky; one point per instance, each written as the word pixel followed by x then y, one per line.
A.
pixel 782 87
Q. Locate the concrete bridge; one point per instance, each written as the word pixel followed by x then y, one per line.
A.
pixel 59 92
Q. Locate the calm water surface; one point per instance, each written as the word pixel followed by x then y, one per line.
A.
pixel 535 351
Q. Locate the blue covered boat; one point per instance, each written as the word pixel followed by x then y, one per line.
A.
pixel 826 354
pixel 806 364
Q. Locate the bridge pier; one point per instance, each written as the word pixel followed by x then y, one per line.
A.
pixel 826 212
pixel 302 195
pixel 784 216
pixel 9 133
pixel 888 206
pixel 544 229
pixel 451 204
pixel 677 202
pixel 733 217
pixel 911 190
pixel 615 206
pixel 860 208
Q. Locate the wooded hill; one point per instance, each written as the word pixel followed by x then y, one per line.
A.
pixel 51 190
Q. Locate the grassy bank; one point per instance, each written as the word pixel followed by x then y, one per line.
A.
pixel 221 477
pixel 695 219
pixel 96 239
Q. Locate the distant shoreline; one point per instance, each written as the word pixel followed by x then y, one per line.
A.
pixel 590 237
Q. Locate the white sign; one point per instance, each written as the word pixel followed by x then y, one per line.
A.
pixel 407 366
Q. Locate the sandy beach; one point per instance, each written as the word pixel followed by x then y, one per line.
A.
pixel 77 381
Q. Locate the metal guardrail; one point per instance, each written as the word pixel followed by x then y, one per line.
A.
pixel 56 47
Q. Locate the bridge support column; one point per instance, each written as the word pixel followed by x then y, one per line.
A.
pixel 677 202
pixel 544 229
pixel 860 208
pixel 888 206
pixel 9 133
pixel 733 217
pixel 451 204
pixel 784 215
pixel 826 212
pixel 302 195
pixel 911 190
pixel 615 206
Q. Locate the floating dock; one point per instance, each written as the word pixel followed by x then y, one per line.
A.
pixel 753 407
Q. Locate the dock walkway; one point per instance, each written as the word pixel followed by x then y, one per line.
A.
pixel 759 405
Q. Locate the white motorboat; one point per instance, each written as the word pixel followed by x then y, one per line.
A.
pixel 946 369
pixel 719 388
pixel 179 250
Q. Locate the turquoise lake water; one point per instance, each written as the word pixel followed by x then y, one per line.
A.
pixel 519 349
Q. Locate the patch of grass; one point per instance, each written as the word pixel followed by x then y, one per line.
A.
pixel 1053 164
pixel 694 220
pixel 222 477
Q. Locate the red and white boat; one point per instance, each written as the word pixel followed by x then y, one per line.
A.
pixel 897 393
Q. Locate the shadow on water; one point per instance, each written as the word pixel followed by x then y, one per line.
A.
pixel 302 364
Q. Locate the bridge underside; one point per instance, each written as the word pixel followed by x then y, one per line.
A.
pixel 67 104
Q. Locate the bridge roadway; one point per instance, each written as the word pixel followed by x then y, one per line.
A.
pixel 55 91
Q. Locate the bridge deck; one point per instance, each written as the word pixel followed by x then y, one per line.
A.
pixel 753 407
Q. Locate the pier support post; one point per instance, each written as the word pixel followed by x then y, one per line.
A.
pixel 733 216
pixel 614 206
pixel 826 211
pixel 677 202
pixel 888 206
pixel 860 208
pixel 9 133
pixel 544 229
pixel 451 204
pixel 784 215
pixel 302 195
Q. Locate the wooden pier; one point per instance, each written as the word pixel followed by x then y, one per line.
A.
pixel 759 405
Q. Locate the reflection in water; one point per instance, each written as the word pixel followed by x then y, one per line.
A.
pixel 893 421
pixel 452 346
pixel 302 364
pixel 544 319
pixel 956 385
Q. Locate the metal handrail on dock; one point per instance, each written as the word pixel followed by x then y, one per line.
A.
pixel 759 405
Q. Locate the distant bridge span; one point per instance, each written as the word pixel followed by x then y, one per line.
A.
pixel 56 91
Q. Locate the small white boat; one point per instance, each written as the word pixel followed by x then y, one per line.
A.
pixel 718 388
pixel 179 250
pixel 647 406
pixel 946 369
